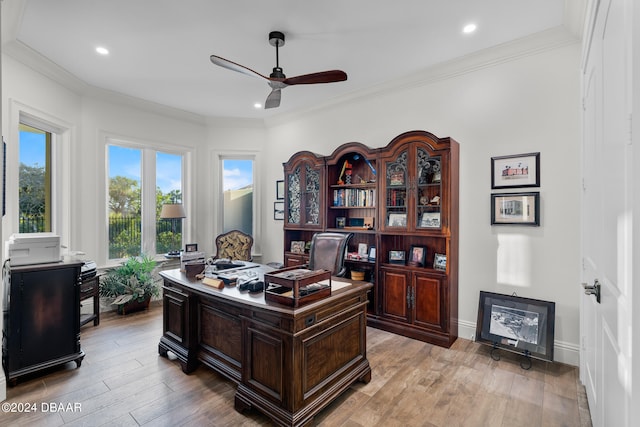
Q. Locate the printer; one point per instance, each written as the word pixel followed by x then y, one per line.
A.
pixel 33 248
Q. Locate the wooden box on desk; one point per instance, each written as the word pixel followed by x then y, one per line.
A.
pixel 290 286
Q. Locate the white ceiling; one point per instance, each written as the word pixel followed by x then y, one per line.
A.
pixel 159 49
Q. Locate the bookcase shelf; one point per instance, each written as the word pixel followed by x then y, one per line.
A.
pixel 395 199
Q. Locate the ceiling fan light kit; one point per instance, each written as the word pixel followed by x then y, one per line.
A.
pixel 277 80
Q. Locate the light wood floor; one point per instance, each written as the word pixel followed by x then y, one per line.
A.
pixel 123 382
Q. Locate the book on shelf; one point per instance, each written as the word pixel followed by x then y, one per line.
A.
pixel 354 197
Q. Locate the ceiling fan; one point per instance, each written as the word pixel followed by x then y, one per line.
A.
pixel 277 80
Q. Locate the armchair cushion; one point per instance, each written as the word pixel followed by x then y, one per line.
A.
pixel 234 245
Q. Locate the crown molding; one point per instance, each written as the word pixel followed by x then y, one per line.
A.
pixel 42 65
pixel 532 45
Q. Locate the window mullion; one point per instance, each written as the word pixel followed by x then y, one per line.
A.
pixel 148 201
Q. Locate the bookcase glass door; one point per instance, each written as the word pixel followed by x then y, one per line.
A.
pixel 312 195
pixel 294 196
pixel 397 191
pixel 429 194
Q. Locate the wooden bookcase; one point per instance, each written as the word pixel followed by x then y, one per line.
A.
pixel 395 199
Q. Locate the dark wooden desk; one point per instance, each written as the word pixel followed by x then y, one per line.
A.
pixel 288 363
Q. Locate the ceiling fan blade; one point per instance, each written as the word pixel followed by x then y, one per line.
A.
pixel 230 65
pixel 330 76
pixel 273 100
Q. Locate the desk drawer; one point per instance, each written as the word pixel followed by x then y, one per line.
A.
pixel 89 288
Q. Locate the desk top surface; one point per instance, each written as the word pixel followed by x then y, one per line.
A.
pixel 340 287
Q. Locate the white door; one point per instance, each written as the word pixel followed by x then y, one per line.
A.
pixel 606 229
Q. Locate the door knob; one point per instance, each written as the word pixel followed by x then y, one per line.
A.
pixel 593 289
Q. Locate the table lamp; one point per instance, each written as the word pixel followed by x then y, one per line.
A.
pixel 173 211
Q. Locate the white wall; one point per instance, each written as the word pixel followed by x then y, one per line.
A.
pixel 93 117
pixel 527 104
pixel 492 106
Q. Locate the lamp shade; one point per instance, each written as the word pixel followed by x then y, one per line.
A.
pixel 172 210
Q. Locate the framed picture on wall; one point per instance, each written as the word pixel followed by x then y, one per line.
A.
pixel 280 190
pixel 515 209
pixel 278 211
pixel 518 170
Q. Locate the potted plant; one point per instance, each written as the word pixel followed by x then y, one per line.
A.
pixel 132 284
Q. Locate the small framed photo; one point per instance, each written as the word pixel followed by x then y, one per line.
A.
pixel 280 190
pixel 372 253
pixel 362 250
pixel 418 256
pixel 515 209
pixel 341 221
pixel 278 211
pixel 396 178
pixel 191 247
pixel 519 170
pixel 440 262
pixel 397 220
pixel 430 220
pixel 396 257
pixel 297 246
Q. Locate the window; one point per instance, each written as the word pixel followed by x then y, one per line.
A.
pixel 168 190
pixel 34 188
pixel 140 181
pixel 238 195
pixel 125 202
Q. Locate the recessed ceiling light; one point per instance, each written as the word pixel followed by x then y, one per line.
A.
pixel 102 50
pixel 469 28
pixel 257 105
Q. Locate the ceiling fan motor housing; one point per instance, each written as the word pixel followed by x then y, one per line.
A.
pixel 276 38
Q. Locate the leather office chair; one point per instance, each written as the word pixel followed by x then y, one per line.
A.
pixel 234 245
pixel 327 252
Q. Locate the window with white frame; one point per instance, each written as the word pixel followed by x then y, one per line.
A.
pixel 140 181
pixel 34 180
pixel 238 193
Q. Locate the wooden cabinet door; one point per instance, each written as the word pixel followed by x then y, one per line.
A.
pixel 176 315
pixel 428 302
pixel 395 191
pixel 304 191
pixel 396 294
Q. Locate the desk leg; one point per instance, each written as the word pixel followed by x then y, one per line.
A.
pixel 96 309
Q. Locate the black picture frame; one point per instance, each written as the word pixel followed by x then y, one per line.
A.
pixel 280 190
pixel 191 247
pixel 278 211
pixel 517 324
pixel 418 255
pixel 397 257
pixel 515 171
pixel 515 209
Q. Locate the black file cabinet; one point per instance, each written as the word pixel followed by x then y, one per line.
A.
pixel 41 317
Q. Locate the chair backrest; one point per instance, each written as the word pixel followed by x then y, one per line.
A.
pixel 234 245
pixel 327 252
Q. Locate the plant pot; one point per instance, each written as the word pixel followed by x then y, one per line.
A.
pixel 133 306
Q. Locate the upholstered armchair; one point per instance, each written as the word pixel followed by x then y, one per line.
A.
pixel 327 252
pixel 234 245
